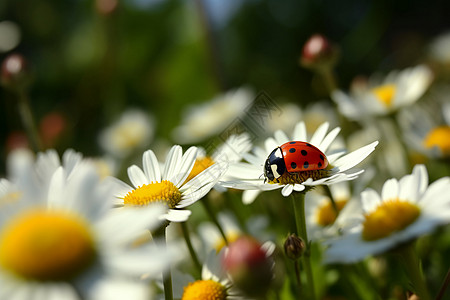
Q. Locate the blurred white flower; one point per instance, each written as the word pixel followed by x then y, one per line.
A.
pixel 439 49
pixel 169 186
pixel 133 131
pixel 10 36
pixel 66 243
pixel 211 118
pixel 383 95
pixel 405 209
pixel 430 136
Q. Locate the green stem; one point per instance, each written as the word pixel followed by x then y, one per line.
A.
pixel 333 202
pixel 411 265
pixel 28 121
pixel 167 277
pixel 212 216
pixel 187 238
pixel 444 286
pixel 299 210
pixel 329 78
pixel 297 275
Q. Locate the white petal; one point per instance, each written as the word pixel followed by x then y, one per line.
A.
pixel 329 139
pixel 370 200
pixel 390 190
pixel 319 134
pixel 177 215
pixel 151 166
pixel 115 289
pixel 421 172
pixel 188 161
pixel 281 137
pixel 137 176
pixel 173 162
pixel 56 188
pixel 249 196
pixel 299 132
pixel 287 190
pixel 299 187
pixel 270 144
pixel 352 159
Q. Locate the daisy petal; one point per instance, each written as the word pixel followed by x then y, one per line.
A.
pixel 390 190
pixel 177 215
pixel 137 176
pixel 331 136
pixel 319 134
pixel 248 196
pixel 287 190
pixel 151 166
pixel 299 132
pixel 172 163
pixel 370 200
pixel 187 163
pixel 352 159
pixel 281 137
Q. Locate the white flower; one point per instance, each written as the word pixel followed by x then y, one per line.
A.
pixel 211 118
pixel 382 96
pixel 214 282
pixel 322 220
pixel 430 136
pixel 249 176
pixel 67 243
pixel 405 210
pixel 439 49
pixel 134 130
pixel 169 185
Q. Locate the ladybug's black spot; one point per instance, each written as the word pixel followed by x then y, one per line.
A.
pixel 293 165
pixel 304 152
pixel 292 150
pixel 320 165
pixel 308 144
pixel 292 143
pixel 306 165
pixel 321 157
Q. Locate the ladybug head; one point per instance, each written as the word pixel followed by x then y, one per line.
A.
pixel 274 166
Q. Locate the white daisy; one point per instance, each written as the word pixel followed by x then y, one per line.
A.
pixel 67 243
pixel 214 282
pixel 322 220
pixel 249 176
pixel 405 210
pixel 133 131
pixel 382 96
pixel 430 136
pixel 211 118
pixel 169 186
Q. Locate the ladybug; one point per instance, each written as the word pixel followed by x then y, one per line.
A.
pixel 293 157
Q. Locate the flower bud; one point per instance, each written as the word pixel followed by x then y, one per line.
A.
pixel 249 267
pixel 318 52
pixel 14 73
pixel 294 247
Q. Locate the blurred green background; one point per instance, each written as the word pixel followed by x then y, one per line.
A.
pixel 89 60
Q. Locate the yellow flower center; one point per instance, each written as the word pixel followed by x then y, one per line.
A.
pixel 231 237
pixel 200 165
pixel 385 93
pixel 389 217
pixel 439 137
pixel 162 192
pixel 46 245
pixel 326 214
pixel 204 290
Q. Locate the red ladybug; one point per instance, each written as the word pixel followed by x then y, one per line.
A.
pixel 294 157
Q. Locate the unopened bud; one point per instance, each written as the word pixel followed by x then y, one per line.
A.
pixel 249 267
pixel 318 52
pixel 14 73
pixel 294 247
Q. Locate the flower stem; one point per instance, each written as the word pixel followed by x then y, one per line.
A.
pixel 444 286
pixel 411 265
pixel 28 121
pixel 212 216
pixel 299 210
pixel 187 238
pixel 333 202
pixel 167 277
